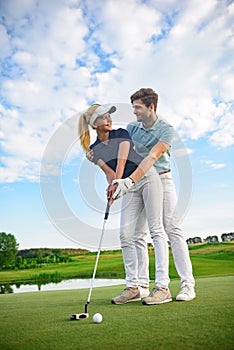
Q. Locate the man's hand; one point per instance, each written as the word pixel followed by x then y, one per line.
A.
pixel 89 155
pixel 123 186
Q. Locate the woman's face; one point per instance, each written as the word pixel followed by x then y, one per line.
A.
pixel 103 123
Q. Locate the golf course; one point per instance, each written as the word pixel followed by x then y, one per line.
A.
pixel 41 320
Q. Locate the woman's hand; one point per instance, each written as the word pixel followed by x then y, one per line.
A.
pixel 109 193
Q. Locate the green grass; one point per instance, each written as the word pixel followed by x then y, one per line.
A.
pixel 207 259
pixel 40 320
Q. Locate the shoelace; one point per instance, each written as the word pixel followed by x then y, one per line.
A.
pixel 126 290
pixel 185 289
pixel 155 289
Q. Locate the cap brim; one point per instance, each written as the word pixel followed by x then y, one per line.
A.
pixel 112 109
pixel 100 111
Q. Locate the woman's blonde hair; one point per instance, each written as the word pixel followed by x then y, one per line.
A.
pixel 83 126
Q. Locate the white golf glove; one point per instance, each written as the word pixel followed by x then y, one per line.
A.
pixel 123 186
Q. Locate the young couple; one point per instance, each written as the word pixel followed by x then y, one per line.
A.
pixel 136 162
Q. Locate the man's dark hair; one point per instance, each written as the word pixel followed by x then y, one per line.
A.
pixel 147 96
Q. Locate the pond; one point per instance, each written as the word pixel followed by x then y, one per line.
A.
pixel 21 287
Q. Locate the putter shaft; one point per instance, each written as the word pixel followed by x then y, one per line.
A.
pixel 85 314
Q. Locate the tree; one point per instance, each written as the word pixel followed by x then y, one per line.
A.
pixel 8 249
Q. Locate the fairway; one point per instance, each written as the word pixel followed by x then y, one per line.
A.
pixel 40 320
pixel 207 260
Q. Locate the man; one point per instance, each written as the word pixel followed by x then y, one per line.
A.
pixel 152 138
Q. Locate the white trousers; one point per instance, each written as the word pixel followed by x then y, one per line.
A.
pixel 143 205
pixel 176 237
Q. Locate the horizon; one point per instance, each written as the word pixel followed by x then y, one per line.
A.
pixel 59 57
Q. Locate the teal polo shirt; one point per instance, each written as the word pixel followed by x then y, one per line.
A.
pixel 145 139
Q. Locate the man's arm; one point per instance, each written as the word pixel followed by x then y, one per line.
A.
pixel 155 153
pixel 124 185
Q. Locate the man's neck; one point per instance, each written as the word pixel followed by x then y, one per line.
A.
pixel 150 121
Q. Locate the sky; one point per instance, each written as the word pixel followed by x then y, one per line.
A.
pixel 59 56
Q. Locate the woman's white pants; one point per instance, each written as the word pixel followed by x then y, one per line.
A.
pixel 143 205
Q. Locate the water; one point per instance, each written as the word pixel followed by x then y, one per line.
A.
pixel 63 285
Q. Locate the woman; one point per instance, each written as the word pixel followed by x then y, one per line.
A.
pixel 113 152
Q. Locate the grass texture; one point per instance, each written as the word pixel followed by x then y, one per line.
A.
pixel 41 320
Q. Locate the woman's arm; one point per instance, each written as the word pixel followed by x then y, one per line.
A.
pixel 123 152
pixel 110 174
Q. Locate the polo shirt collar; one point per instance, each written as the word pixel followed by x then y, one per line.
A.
pixel 153 127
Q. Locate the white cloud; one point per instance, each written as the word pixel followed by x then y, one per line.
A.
pixel 59 56
pixel 127 31
pixel 213 165
pixel 181 152
pixel 4 42
pixel 223 136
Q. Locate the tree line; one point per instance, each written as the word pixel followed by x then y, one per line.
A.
pixel 225 237
pixel 13 259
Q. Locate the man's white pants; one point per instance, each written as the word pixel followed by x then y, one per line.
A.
pixel 176 237
pixel 177 240
pixel 141 205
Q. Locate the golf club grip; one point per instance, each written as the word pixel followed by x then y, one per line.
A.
pixel 107 211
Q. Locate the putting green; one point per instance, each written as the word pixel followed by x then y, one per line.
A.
pixel 40 320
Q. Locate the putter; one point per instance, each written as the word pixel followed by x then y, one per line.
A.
pixel 85 314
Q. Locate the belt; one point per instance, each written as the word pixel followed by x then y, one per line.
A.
pixel 164 172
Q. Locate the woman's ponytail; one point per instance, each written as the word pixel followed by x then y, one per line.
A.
pixel 83 132
pixel 83 126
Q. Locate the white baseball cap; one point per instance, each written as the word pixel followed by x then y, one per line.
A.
pixel 100 111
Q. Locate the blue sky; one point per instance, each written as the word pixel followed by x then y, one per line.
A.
pixel 57 57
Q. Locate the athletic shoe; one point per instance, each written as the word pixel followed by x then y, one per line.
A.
pixel 144 292
pixel 187 293
pixel 127 296
pixel 158 296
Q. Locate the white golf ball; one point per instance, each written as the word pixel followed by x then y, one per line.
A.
pixel 97 318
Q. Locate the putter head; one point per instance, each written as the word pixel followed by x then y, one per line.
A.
pixel 79 316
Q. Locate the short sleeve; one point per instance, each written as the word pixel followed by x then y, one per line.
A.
pixel 96 155
pixel 167 134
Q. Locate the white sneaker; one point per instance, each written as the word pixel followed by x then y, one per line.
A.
pixel 144 291
pixel 187 293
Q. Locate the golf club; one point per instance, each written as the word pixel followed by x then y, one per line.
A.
pixel 85 314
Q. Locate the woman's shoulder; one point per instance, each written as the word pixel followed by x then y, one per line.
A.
pixel 94 144
pixel 120 132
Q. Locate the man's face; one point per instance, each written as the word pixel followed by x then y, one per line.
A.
pixel 141 111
